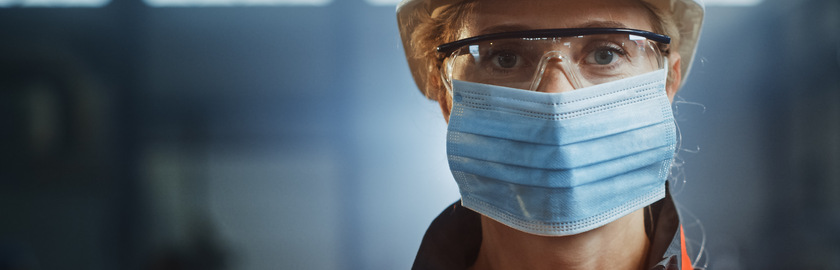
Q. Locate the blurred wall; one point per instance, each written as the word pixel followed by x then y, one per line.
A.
pixel 293 137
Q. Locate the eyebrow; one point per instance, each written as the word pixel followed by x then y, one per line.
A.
pixel 503 28
pixel 521 27
pixel 602 24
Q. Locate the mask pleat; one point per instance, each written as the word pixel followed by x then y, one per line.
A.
pixel 561 163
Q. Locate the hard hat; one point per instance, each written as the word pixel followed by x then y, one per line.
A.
pixel 688 16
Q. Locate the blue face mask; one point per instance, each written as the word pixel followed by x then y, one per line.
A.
pixel 561 163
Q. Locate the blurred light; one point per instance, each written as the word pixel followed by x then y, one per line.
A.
pixel 54 3
pixel 732 2
pixel 708 2
pixel 206 3
pixel 383 2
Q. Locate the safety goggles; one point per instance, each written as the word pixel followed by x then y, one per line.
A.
pixel 524 59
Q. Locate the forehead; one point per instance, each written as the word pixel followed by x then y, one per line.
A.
pixel 494 16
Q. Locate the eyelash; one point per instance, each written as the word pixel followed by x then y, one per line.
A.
pixel 601 46
pixel 491 58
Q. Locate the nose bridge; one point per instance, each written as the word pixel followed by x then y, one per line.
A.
pixel 554 74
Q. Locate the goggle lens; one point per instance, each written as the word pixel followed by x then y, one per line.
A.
pixel 525 63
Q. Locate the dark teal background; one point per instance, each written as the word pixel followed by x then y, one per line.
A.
pixel 293 137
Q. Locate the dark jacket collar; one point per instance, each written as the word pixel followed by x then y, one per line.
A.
pixel 452 240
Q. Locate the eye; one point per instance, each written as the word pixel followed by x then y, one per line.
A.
pixel 506 60
pixel 603 56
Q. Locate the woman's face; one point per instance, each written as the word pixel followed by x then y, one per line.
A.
pixel 494 16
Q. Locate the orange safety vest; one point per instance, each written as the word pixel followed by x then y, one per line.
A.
pixel 686 262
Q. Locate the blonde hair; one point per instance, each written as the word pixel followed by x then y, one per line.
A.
pixel 445 25
pixel 664 23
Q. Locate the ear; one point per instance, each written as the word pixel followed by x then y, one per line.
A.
pixel 441 95
pixel 674 75
pixel 444 107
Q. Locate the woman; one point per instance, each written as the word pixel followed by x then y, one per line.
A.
pixel 560 133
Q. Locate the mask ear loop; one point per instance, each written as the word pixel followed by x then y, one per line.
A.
pixel 569 72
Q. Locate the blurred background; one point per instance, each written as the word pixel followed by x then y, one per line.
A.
pixel 288 134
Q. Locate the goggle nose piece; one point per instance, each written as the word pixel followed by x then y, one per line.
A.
pixel 552 58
